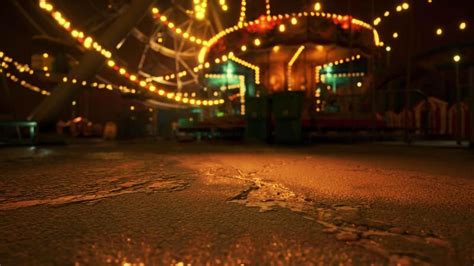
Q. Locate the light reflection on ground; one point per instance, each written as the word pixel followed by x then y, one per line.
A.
pixel 133 205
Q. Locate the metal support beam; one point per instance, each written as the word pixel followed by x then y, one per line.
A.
pixel 471 107
pixel 50 109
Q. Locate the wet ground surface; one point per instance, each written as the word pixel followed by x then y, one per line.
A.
pixel 154 203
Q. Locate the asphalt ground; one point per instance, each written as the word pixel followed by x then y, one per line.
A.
pixel 162 203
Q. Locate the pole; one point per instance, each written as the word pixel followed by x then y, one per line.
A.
pixel 351 70
pixel 8 95
pixel 372 84
pixel 408 76
pixel 471 106
pixel 458 107
pixel 50 109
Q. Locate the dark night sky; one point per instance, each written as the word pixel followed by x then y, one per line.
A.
pixel 441 13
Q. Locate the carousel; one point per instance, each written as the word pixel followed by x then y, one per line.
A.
pixel 323 56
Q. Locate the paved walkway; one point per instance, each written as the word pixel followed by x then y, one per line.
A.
pixel 168 203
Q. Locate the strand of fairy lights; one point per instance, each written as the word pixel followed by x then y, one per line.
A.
pixel 26 85
pixel 200 7
pixel 290 65
pixel 246 64
pixel 124 72
pixel 268 8
pixel 223 4
pixel 25 68
pixel 4 69
pixel 439 31
pixel 176 30
pixel 81 38
pixel 89 43
pixel 243 11
pixel 292 17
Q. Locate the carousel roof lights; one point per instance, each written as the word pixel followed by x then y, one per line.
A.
pixel 246 64
pixel 293 20
pixel 296 55
pixel 290 65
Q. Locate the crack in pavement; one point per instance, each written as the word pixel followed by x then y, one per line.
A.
pixel 163 183
pixel 345 222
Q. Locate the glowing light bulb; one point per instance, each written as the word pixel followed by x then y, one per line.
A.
pixel 457 58
pixel 282 28
pixel 257 42
pixel 317 6
pixel 439 31
pixel 462 25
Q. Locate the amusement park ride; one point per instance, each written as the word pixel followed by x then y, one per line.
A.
pixel 313 64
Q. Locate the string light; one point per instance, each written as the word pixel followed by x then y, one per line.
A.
pixel 317 6
pixel 243 11
pixel 439 31
pixel 457 58
pixel 280 18
pixel 207 44
pixel 282 28
pixel 246 64
pixel 27 85
pixel 462 25
pixel 290 65
pixel 395 35
pixel 200 7
pixel 243 90
pixel 25 68
pixel 89 43
pixel 223 5
pixel 268 7
pixel 175 30
pixel 257 42
pixel 346 75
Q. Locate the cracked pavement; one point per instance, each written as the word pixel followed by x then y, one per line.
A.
pixel 155 203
